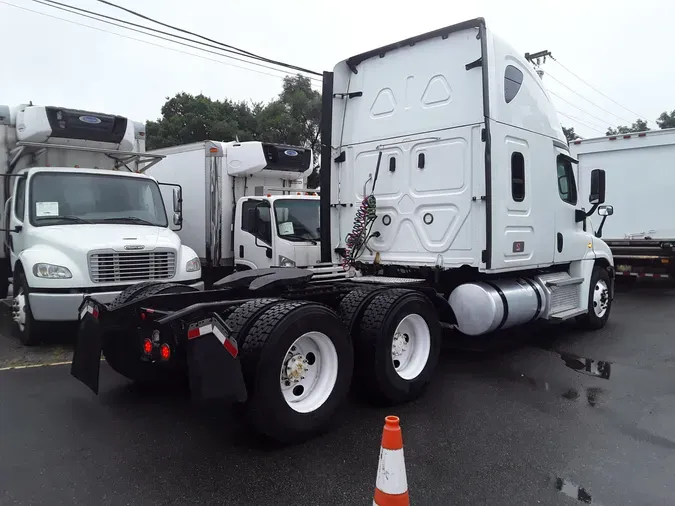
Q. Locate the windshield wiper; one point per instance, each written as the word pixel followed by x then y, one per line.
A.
pixel 63 217
pixel 132 219
pixel 299 237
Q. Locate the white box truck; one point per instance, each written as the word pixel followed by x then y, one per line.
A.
pixel 245 205
pixel 447 188
pixel 79 217
pixel 641 180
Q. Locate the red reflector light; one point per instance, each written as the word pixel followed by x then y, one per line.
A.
pixel 612 138
pixel 165 352
pixel 626 136
pixel 147 346
pixel 577 142
pixel 642 134
pixel 142 316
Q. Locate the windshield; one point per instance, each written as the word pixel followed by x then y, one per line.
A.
pixel 58 198
pixel 297 220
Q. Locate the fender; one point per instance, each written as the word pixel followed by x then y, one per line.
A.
pixel 42 253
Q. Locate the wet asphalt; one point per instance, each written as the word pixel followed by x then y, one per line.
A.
pixel 529 421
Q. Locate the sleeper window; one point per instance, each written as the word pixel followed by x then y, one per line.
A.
pixel 517 177
pixel 566 185
pixel 513 80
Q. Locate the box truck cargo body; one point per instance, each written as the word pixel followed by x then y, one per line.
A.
pixel 245 204
pixel 640 184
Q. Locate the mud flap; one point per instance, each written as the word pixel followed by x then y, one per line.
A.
pixel 87 355
pixel 214 369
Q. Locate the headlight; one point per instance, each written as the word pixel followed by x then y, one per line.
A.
pixel 285 262
pixel 51 271
pixel 193 265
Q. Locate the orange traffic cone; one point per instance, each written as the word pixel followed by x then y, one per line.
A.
pixel 391 488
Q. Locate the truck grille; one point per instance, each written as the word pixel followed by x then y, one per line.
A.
pixel 106 267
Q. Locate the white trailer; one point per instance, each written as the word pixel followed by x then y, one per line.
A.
pixel 447 190
pixel 79 216
pixel 245 205
pixel 641 180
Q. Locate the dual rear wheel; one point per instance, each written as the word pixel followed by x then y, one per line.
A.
pixel 298 358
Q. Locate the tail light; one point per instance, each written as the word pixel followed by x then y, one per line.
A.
pixel 165 351
pixel 147 347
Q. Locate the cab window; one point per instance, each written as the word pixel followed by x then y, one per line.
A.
pixel 20 201
pixel 567 188
pixel 259 224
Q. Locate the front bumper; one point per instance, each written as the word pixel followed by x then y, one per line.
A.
pixel 64 306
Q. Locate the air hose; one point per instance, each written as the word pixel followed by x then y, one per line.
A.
pixel 365 217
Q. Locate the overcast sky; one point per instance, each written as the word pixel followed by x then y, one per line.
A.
pixel 620 47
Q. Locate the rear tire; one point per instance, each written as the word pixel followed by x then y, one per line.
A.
pixel 599 301
pixel 397 346
pixel 130 293
pixel 297 361
pixel 353 305
pixel 124 357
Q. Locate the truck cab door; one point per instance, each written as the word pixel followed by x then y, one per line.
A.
pixel 253 234
pixel 570 240
pixel 18 212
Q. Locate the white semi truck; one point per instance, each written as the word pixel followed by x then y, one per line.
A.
pixel 245 205
pixel 449 196
pixel 79 217
pixel 641 233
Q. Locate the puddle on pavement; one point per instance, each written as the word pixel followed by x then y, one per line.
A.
pixel 593 395
pixel 599 368
pixel 574 491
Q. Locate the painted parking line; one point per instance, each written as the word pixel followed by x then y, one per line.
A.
pixel 34 366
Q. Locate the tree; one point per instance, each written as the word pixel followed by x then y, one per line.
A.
pixel 570 134
pixel 187 118
pixel 638 126
pixel 292 118
pixel 666 120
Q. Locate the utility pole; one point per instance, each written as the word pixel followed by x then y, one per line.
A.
pixel 536 60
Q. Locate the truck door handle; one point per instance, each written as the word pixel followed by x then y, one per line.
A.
pixel 560 242
pixel 241 251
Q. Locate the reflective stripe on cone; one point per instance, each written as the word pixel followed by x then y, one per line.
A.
pixel 391 485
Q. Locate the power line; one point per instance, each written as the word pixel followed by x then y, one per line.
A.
pixel 147 42
pixel 90 15
pixel 253 55
pixel 580 109
pixel 548 74
pixel 72 10
pixel 598 91
pixel 581 122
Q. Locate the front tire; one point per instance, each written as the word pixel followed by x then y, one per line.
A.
pixel 29 331
pixel 297 361
pixel 397 346
pixel 599 301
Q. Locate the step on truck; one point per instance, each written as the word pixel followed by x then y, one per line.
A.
pixel 80 217
pixel 245 204
pixel 448 198
pixel 641 233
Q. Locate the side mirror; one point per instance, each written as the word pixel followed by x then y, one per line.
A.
pixel 597 195
pixel 606 210
pixel 177 200
pixel 603 211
